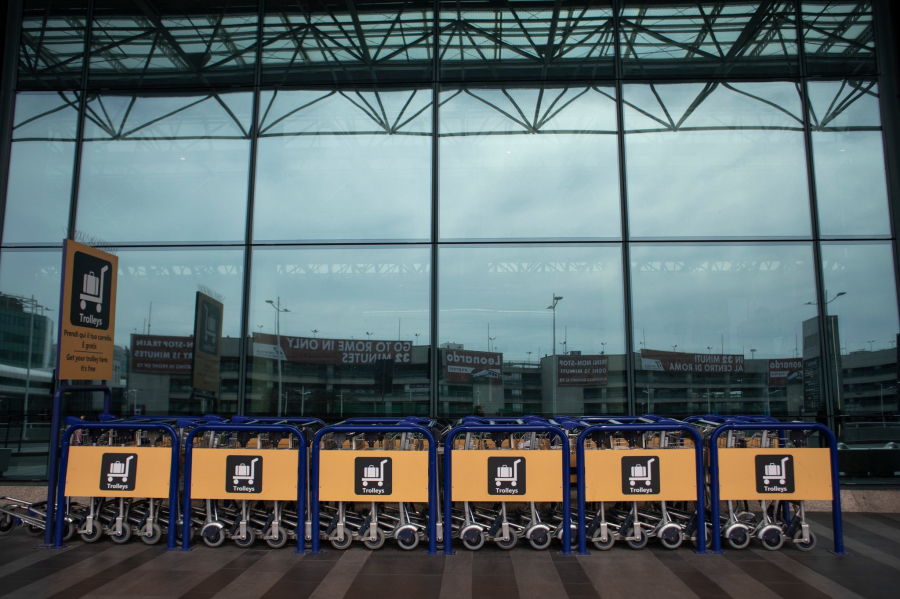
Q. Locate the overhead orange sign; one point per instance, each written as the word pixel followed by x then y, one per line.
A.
pixel 87 313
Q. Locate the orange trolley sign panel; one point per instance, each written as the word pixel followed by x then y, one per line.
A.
pixel 87 318
pixel 775 473
pixel 346 475
pixel 119 472
pixel 640 475
pixel 507 475
pixel 266 474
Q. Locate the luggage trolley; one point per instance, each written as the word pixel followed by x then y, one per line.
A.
pixel 501 461
pixel 220 467
pixel 122 478
pixel 655 467
pixel 378 463
pixel 783 470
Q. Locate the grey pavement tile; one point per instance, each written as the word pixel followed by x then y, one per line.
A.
pixel 456 581
pixel 536 576
pixel 338 581
pixel 613 573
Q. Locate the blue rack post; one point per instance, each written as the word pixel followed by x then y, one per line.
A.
pixel 505 428
pixel 614 428
pixel 53 463
pixel 775 426
pixel 221 426
pixel 378 428
pixel 78 424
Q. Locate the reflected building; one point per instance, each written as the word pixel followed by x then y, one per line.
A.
pixel 584 207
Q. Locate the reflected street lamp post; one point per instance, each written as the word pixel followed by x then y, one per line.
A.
pixel 881 394
pixel 33 305
pixel 278 310
pixel 552 306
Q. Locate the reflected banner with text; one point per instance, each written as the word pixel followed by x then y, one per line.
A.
pixel 666 361
pixel 310 350
pixel 159 354
pixel 465 366
pixel 782 372
pixel 582 371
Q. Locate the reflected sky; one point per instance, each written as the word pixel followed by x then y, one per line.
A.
pixel 722 298
pixel 716 160
pixel 509 288
pixel 867 312
pixel 169 279
pixel 343 293
pixel 365 156
pixel 848 155
pixel 537 163
pixel 41 162
pixel 165 168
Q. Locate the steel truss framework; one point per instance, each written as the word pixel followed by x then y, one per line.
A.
pixel 147 43
pixel 378 60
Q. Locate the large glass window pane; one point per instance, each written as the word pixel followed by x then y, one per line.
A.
pixel 51 47
pixel 502 309
pixel 716 160
pixel 155 313
pixel 161 43
pixel 483 40
pixel 838 37
pixel 344 165
pixel 332 40
pixel 529 163
pixel 41 163
pixel 170 168
pixel 862 347
pixel 723 329
pixel 751 38
pixel 29 305
pixel 340 332
pixel 848 154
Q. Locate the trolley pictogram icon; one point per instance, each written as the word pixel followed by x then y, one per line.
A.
pixel 641 473
pixel 92 289
pixel 507 474
pixel 244 472
pixel 119 470
pixel 774 471
pixel 374 474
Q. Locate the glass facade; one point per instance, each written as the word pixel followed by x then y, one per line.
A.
pixel 460 207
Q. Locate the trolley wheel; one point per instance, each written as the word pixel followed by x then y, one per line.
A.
pixel 279 541
pixel 247 541
pixel 7 523
pixel 541 543
pixel 343 542
pixel 215 538
pixel 709 539
pixel 508 544
pixel 192 532
pixel 799 544
pixel 154 537
pixel 772 539
pixel 409 545
pixel 739 538
pixel 672 543
pixel 606 545
pixel 94 535
pixel 474 544
pixel 71 529
pixel 35 531
pixel 123 536
pixel 639 543
pixel 377 542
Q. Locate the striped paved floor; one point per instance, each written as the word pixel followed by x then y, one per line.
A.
pixel 107 570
